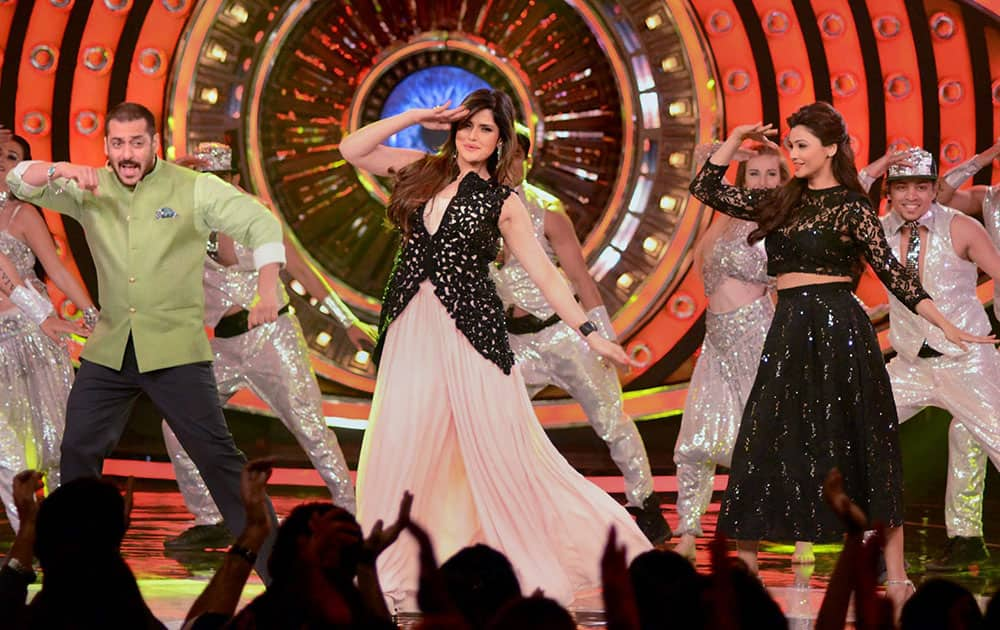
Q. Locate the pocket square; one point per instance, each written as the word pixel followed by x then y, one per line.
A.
pixel 165 213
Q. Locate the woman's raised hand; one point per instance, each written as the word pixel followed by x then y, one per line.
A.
pixel 758 132
pixel 440 117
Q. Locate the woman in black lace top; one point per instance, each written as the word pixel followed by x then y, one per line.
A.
pixel 822 397
pixel 451 420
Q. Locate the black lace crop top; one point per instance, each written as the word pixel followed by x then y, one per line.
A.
pixel 456 260
pixel 829 234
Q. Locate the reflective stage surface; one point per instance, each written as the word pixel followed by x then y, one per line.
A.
pixel 171 581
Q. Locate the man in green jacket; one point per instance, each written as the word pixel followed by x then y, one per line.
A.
pixel 146 222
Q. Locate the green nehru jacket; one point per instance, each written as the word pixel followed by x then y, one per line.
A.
pixel 148 244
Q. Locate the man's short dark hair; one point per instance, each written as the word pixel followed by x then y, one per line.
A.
pixel 523 139
pixel 127 112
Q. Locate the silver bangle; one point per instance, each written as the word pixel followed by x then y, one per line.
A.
pixel 599 315
pixel 957 176
pixel 339 311
pixel 90 317
pixel 32 303
pixel 866 179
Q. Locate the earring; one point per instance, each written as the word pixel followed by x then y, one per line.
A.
pixel 499 147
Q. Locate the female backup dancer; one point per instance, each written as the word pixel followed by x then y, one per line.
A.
pixel 822 397
pixel 738 317
pixel 451 420
pixel 35 371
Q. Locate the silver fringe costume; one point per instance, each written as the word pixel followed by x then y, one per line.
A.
pixel 966 384
pixel 273 361
pixel 723 375
pixel 558 355
pixel 35 378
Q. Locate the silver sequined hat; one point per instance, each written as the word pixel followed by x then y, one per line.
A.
pixel 921 166
pixel 218 157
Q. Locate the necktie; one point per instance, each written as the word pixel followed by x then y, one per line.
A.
pixel 913 249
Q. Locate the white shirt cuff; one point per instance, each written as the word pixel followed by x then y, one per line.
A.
pixel 24 187
pixel 269 253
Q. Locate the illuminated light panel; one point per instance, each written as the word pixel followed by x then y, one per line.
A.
pixel 640 196
pixel 297 287
pixel 668 203
pixel 653 21
pixel 217 52
pixel 643 73
pixel 626 230
pixel 671 63
pixel 679 108
pixel 650 105
pixel 605 263
pixel 238 13
pixel 323 339
pixel 590 113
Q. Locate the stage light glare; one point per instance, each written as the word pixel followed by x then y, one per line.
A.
pixel 238 12
pixel 668 203
pixel 678 159
pixel 671 63
pixel 361 358
pixel 654 21
pixel 209 95
pixel 679 108
pixel 651 245
pixel 323 339
pixel 218 52
pixel 625 281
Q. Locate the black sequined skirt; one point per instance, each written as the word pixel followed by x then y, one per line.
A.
pixel 822 399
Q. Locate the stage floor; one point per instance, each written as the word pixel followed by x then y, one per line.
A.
pixel 170 582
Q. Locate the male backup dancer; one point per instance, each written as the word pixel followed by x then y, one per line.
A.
pixel 272 360
pixel 947 248
pixel 146 222
pixel 548 352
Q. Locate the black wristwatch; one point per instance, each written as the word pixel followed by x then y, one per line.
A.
pixel 587 327
pixel 247 554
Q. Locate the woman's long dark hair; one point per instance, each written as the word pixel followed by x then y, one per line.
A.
pixel 828 125
pixel 421 180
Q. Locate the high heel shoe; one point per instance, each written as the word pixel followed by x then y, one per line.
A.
pixel 898 591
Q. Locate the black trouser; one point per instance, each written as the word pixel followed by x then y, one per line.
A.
pixel 186 395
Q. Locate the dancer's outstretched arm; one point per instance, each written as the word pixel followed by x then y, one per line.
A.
pixel 969 201
pixel 516 227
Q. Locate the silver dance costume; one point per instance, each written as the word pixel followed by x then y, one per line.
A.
pixel 35 378
pixel 273 361
pixel 723 375
pixel 558 355
pixel 966 384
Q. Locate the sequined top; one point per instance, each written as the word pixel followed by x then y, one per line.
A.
pixel 456 260
pixel 20 256
pixel 949 278
pixel 730 256
pixel 513 283
pixel 830 232
pixel 235 285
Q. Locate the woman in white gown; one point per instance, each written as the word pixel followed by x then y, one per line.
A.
pixel 451 421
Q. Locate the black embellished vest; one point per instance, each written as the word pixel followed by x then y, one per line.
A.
pixel 456 260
